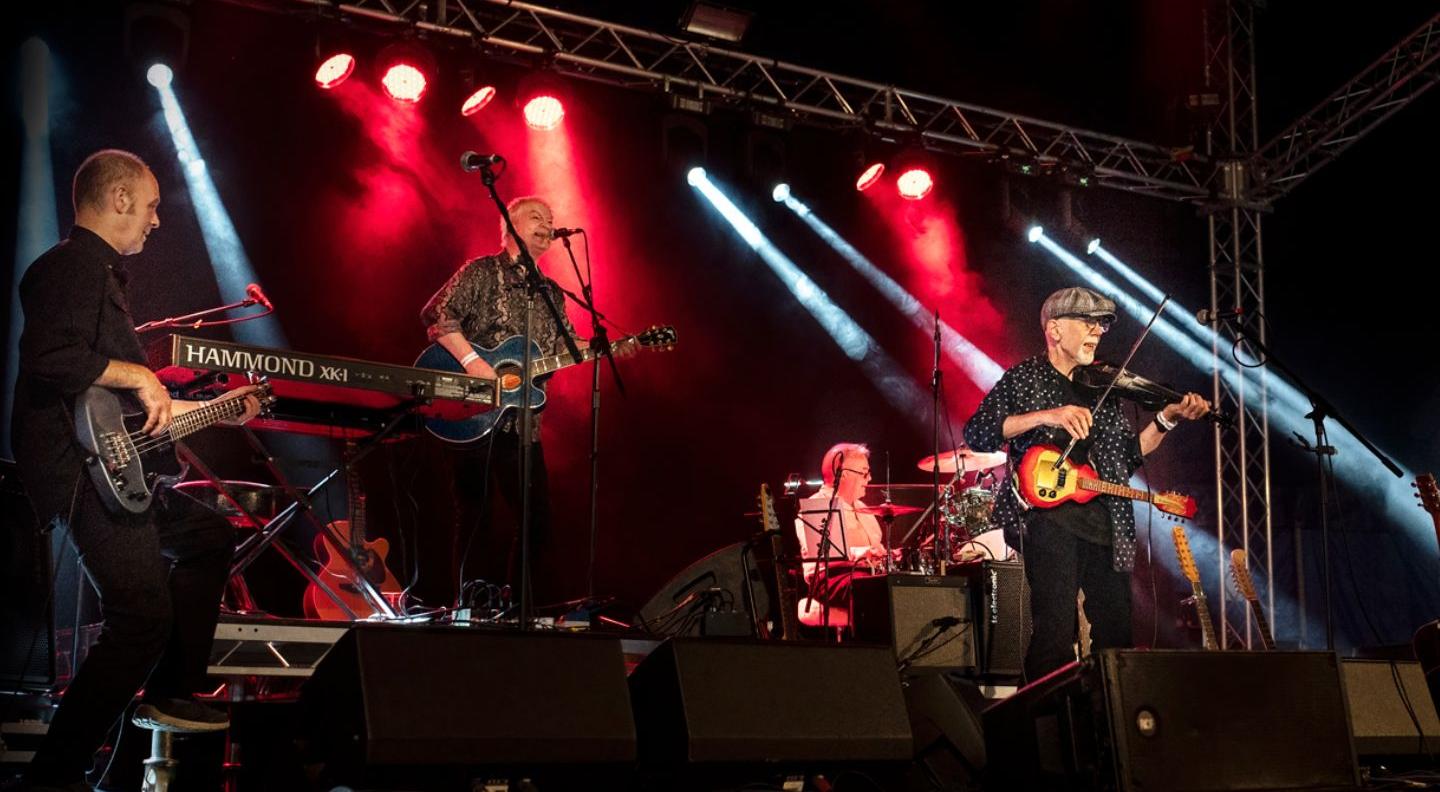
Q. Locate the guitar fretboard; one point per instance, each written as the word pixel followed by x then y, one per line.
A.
pixel 199 418
pixel 1263 625
pixel 1202 610
pixel 550 363
pixel 1107 488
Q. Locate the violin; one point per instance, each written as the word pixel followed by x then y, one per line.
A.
pixel 1148 394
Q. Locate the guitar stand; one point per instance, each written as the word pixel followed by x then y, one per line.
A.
pixel 236 580
pixel 270 530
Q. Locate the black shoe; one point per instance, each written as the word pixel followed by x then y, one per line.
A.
pixel 180 715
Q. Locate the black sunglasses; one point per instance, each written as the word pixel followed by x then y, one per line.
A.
pixel 1104 322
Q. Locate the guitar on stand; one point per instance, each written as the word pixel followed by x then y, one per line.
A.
pixel 1427 638
pixel 358 556
pixel 785 622
pixel 1187 567
pixel 1240 571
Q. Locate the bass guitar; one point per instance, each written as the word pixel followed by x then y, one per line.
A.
pixel 126 464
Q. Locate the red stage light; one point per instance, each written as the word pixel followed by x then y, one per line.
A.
pixel 404 83
pixel 335 70
pixel 914 184
pixel 870 176
pixel 477 101
pixel 544 112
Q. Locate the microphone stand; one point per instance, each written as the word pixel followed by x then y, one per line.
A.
pixel 822 568
pixel 534 284
pixel 195 320
pixel 600 345
pixel 1320 409
pixel 942 536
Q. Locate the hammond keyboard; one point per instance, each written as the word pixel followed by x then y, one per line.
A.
pixel 319 394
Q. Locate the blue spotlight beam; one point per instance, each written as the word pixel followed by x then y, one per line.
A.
pixel 233 271
pixel 1184 316
pixel 1287 413
pixel 883 372
pixel 978 366
pixel 37 226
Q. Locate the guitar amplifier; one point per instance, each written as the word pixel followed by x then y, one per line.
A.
pixel 1000 608
pixel 1391 712
pixel 926 619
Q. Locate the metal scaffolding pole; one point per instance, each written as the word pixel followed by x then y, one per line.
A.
pixel 1237 280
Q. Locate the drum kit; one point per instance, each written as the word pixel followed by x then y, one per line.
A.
pixel 965 503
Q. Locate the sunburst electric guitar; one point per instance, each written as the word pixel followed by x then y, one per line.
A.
pixel 1045 487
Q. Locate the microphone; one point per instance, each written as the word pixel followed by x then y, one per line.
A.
pixel 470 161
pixel 254 295
pixel 561 233
pixel 1206 316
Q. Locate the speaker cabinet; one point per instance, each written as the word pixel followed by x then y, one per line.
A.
pixel 733 701
pixel 407 695
pixel 1177 720
pixel 925 619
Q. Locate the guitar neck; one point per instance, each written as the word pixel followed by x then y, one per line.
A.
pixel 1266 639
pixel 1107 488
pixel 203 417
pixel 552 363
pixel 1202 610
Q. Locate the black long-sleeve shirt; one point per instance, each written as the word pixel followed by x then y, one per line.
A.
pixel 77 319
pixel 1113 446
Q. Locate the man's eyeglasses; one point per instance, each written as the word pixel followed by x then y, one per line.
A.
pixel 1102 322
pixel 861 473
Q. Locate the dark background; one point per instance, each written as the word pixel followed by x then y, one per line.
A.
pixel 353 213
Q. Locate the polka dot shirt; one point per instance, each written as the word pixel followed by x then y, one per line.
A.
pixel 1114 446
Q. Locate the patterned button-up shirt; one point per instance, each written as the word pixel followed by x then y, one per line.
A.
pixel 485 301
pixel 1114 447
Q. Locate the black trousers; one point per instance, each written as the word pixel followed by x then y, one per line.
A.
pixel 1057 565
pixel 159 576
pixel 486 547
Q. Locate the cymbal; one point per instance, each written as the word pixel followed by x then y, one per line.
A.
pixel 972 460
pixel 888 509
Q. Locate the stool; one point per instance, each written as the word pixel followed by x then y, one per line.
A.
pixel 160 767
